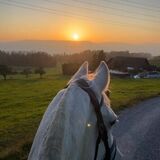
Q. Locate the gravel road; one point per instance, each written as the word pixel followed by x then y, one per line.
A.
pixel 138 131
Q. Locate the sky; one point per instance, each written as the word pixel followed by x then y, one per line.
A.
pixel 125 21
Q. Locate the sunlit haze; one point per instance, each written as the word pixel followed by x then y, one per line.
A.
pixel 131 21
pixel 75 36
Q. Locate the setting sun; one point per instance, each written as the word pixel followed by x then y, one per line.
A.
pixel 75 36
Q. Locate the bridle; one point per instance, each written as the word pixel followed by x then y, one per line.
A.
pixel 102 130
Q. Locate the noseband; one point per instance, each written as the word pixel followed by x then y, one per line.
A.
pixel 102 130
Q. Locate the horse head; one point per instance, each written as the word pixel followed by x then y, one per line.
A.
pixel 68 130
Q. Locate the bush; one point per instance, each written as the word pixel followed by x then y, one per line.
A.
pixel 40 71
pixel 4 71
pixel 26 72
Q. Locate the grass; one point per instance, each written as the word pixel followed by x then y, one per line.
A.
pixel 126 92
pixel 23 102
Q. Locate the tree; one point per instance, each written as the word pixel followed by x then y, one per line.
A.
pixel 4 71
pixel 97 58
pixel 40 71
pixel 27 58
pixel 26 72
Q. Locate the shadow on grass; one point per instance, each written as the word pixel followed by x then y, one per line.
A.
pixel 21 154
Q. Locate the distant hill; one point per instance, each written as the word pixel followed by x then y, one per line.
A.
pixel 69 47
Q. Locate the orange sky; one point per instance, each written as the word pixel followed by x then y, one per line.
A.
pixel 61 22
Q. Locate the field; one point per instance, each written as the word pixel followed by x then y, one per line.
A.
pixel 24 100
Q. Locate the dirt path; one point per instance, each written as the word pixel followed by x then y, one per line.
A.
pixel 138 131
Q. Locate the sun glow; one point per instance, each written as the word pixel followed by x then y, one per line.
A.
pixel 75 36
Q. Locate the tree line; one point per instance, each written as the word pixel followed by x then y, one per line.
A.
pixel 70 62
pixel 27 60
pixel 5 71
pixel 42 59
pixel 38 60
pixel 22 58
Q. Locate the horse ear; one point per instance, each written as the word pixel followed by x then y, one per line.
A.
pixel 83 71
pixel 102 77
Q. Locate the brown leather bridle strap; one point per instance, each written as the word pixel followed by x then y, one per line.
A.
pixel 103 133
pixel 97 146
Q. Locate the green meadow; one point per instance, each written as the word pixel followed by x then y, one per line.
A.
pixel 24 100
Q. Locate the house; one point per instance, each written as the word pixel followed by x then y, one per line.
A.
pixel 119 74
pixel 127 63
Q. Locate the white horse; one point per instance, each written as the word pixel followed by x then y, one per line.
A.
pixel 68 130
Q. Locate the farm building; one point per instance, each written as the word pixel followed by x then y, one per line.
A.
pixel 127 63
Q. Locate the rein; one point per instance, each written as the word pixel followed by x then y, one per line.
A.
pixel 102 130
